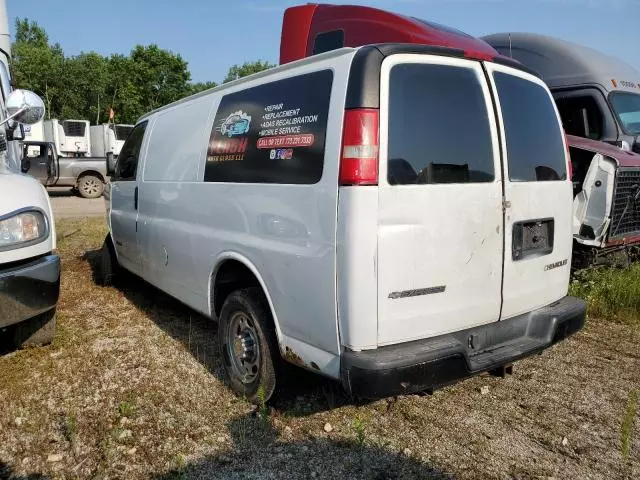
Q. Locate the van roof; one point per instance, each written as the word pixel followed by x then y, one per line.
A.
pixel 363 90
pixel 225 86
pixel 564 64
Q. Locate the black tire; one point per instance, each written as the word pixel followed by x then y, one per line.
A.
pixel 258 385
pixel 108 266
pixel 37 331
pixel 90 186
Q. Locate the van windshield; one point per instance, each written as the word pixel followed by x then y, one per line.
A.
pixel 627 108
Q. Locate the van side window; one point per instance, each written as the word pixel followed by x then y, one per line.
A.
pixel 272 133
pixel 581 116
pixel 328 41
pixel 535 149
pixel 127 164
pixel 438 126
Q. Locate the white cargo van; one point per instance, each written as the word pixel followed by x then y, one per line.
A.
pixel 394 216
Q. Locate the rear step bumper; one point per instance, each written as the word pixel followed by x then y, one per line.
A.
pixel 438 361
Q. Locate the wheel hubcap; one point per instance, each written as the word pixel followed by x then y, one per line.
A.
pixel 243 348
pixel 91 187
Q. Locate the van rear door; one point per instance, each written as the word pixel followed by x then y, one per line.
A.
pixel 440 228
pixel 538 193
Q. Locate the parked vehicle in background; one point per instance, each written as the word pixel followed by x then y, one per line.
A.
pixel 606 185
pixel 107 140
pixel 69 137
pixel 598 97
pixel 34 132
pixel 87 175
pixel 345 231
pixel 29 268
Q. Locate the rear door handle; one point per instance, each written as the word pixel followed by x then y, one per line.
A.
pixel 135 198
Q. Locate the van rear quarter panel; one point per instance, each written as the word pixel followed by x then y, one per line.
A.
pixel 200 223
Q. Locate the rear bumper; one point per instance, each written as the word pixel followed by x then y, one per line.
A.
pixel 28 289
pixel 434 362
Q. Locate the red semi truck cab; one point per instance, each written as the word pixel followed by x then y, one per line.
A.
pixel 311 29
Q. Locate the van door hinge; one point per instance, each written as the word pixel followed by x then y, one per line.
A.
pixel 506 204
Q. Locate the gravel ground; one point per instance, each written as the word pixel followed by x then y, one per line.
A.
pixel 67 204
pixel 131 389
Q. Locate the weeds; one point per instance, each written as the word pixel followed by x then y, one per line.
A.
pixel 611 294
pixel 126 409
pixel 70 428
pixel 627 423
pixel 263 409
pixel 359 429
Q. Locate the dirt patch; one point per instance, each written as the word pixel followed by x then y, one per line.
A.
pixel 66 204
pixel 131 389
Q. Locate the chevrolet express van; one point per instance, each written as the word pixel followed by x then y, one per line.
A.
pixel 598 97
pixel 351 229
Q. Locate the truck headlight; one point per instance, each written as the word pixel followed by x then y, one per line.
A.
pixel 19 229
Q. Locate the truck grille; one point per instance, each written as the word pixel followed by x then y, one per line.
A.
pixel 625 217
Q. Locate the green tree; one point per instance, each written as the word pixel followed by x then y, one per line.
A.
pixel 88 85
pixel 161 76
pixel 247 68
pixel 37 65
pixel 86 78
pixel 201 87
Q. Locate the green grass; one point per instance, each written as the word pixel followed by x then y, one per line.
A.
pixel 627 423
pixel 126 409
pixel 611 293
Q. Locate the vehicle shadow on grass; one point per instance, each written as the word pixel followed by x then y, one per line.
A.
pixel 6 473
pixel 258 451
pixel 299 393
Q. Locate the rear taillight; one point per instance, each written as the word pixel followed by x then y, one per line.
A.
pixel 360 143
pixel 569 163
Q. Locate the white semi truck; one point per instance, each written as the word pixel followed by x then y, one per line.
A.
pixel 107 140
pixel 70 137
pixel 29 267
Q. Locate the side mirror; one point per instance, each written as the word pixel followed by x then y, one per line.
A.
pixel 24 106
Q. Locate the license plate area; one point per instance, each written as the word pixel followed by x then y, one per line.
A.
pixel 532 238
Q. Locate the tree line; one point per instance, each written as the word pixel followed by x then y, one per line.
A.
pixel 87 86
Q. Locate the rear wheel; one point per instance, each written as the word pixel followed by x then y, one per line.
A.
pixel 90 186
pixel 36 331
pixel 108 266
pixel 248 345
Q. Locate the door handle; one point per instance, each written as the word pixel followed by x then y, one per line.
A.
pixel 135 198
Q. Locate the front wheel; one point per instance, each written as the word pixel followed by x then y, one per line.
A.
pixel 248 345
pixel 90 186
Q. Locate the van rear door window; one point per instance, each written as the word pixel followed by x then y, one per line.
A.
pixel 272 133
pixel 535 149
pixel 438 126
